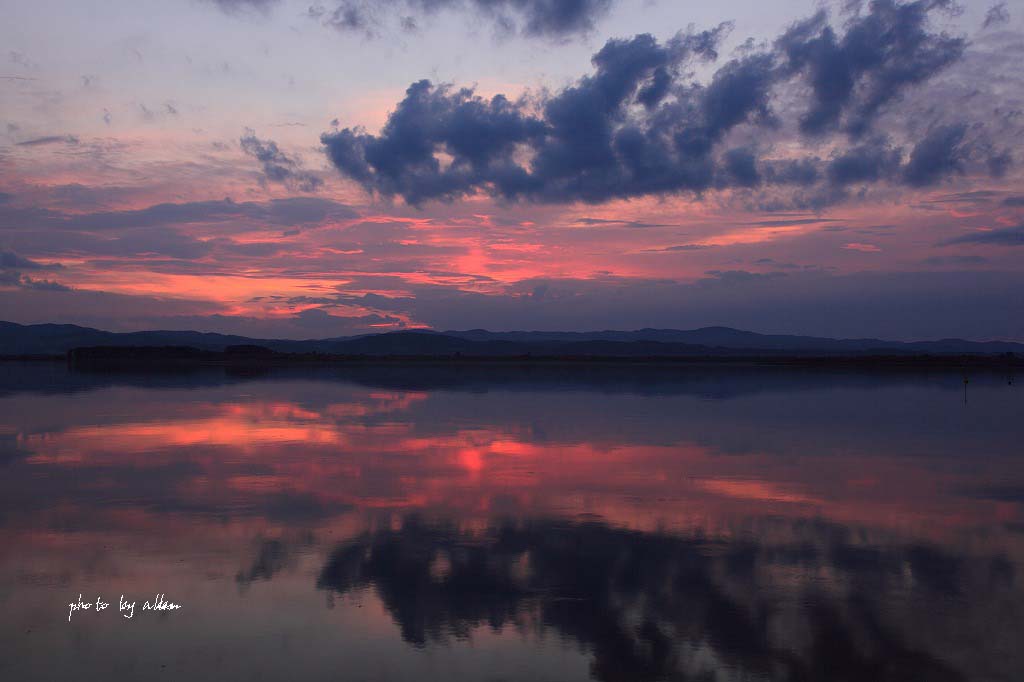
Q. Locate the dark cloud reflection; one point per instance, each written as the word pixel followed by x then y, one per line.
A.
pixel 645 604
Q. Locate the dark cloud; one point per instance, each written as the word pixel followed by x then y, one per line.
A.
pixel 320 321
pixel 21 60
pixel 792 221
pixel 161 242
pixel 882 53
pixel 999 163
pixel 589 142
pixel 98 309
pixel 955 260
pixel 619 223
pixel 481 136
pixel 11 265
pixel 776 264
pixel 49 139
pixel 11 260
pixel 939 154
pixel 535 18
pixel 981 196
pixel 801 172
pixel 740 166
pixel 236 6
pixel 680 247
pixel 716 278
pixel 43 285
pixel 278 212
pixel 277 166
pixel 638 125
pixel 546 17
pixel 1014 201
pixel 996 15
pixel 954 148
pixel 869 161
pixel 1007 236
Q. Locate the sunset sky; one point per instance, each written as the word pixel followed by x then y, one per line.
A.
pixel 278 168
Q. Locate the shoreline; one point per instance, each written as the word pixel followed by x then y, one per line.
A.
pixel 115 358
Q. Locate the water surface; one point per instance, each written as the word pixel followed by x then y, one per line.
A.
pixel 512 523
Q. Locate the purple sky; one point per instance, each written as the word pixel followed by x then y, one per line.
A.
pixel 276 168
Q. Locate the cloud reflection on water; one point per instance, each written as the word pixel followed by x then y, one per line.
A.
pixel 711 523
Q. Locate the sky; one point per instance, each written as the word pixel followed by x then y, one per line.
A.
pixel 277 168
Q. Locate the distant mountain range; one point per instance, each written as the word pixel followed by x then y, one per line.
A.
pixel 54 339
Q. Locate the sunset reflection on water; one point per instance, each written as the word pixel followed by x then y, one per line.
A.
pixel 710 524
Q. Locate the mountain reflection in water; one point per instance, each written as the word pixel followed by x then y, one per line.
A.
pixel 451 523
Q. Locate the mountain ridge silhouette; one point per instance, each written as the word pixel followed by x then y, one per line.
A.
pixel 55 339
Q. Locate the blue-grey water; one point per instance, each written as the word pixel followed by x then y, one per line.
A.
pixel 511 523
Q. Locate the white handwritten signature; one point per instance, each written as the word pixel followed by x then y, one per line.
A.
pixel 126 608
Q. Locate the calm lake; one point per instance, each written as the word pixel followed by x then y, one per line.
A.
pixel 512 523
